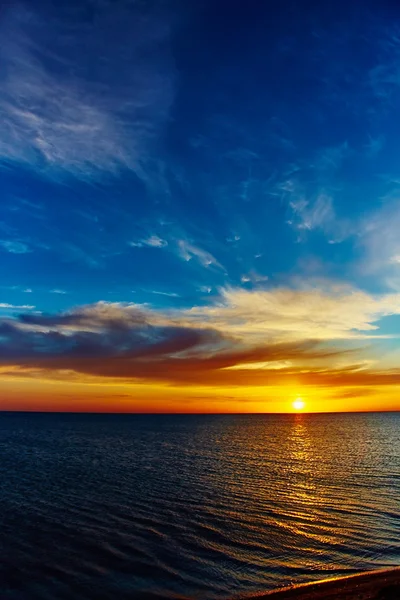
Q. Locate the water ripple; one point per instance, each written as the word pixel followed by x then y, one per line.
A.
pixel 99 507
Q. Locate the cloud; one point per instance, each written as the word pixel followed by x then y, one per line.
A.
pixel 168 294
pixel 315 212
pixel 253 277
pixel 14 247
pixel 380 241
pixel 316 215
pixel 337 313
pixel 353 392
pixel 62 115
pixel 7 306
pixel 240 338
pixel 183 248
pixel 331 159
pixel 134 350
pixel 93 318
pixel 188 251
pixel 154 241
pixel 309 189
pixel 57 291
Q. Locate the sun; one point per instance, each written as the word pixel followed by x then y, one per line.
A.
pixel 298 404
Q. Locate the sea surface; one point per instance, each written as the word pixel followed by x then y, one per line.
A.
pixel 116 507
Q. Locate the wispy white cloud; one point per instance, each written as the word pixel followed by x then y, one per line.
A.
pixel 179 245
pixel 154 241
pixel 15 247
pixel 379 238
pixel 56 119
pixel 233 239
pixel 7 306
pixel 330 159
pixel 313 215
pixel 314 212
pixel 309 189
pixel 57 291
pixel 187 251
pixel 168 294
pixel 253 277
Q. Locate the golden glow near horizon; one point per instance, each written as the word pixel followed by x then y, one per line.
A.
pixel 99 395
pixel 189 369
pixel 298 404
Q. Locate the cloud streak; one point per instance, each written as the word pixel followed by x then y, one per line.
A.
pixel 188 251
pixel 244 338
pixel 14 247
pixel 336 313
pixel 153 241
pixel 380 242
pixel 7 306
pixel 56 118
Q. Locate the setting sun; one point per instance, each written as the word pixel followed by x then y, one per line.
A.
pixel 298 404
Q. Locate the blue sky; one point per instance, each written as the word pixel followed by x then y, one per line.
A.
pixel 189 158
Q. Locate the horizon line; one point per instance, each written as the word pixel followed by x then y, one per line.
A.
pixel 296 413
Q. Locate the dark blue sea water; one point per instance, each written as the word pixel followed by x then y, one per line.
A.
pixel 117 507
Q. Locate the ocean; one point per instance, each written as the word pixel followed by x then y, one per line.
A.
pixel 211 507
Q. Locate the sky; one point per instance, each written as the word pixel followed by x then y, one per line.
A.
pixel 200 205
